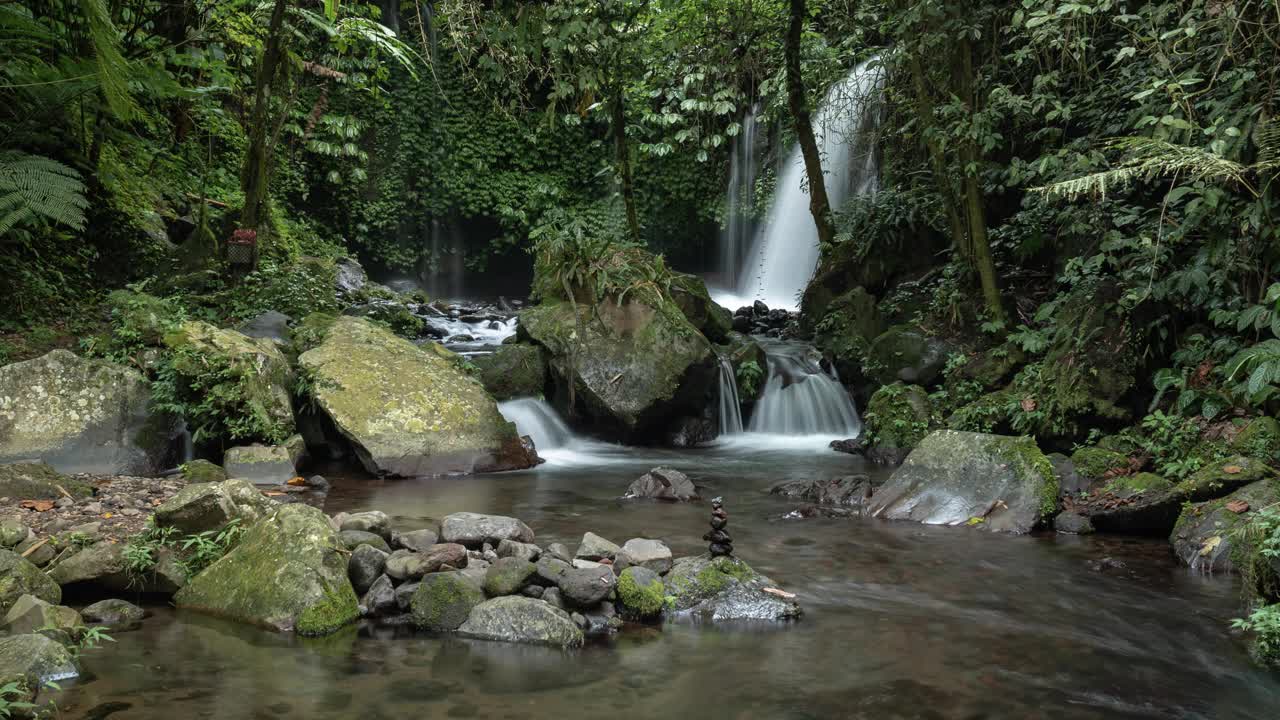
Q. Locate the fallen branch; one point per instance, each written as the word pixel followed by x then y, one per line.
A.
pixel 34 548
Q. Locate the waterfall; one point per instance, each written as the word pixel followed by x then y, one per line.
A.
pixel 742 185
pixel 730 406
pixel 800 398
pixel 537 419
pixel 784 254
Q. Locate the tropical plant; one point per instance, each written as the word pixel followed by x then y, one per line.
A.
pixel 34 187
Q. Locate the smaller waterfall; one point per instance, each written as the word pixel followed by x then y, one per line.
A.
pixel 730 405
pixel 539 421
pixel 736 238
pixel 801 399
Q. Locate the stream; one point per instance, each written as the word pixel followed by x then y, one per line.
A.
pixel 902 620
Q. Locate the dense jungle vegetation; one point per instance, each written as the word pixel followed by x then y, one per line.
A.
pixel 1078 198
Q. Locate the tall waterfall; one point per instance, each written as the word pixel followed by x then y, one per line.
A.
pixel 730 405
pixel 800 398
pixel 742 183
pixel 784 254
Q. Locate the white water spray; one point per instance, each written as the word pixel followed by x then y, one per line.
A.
pixel 802 399
pixel 730 405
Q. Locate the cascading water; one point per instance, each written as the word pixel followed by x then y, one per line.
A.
pixel 784 254
pixel 801 399
pixel 742 183
pixel 539 421
pixel 730 405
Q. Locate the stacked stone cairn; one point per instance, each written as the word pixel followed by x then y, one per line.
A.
pixel 721 541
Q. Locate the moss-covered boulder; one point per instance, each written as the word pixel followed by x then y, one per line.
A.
pixel 139 318
pixel 845 333
pixel 641 592
pixel 81 415
pixel 1206 536
pixel 288 572
pixel 249 376
pixel 201 507
pixel 994 482
pixel 898 417
pixel 689 292
pixel 35 660
pixel 31 614
pixel 908 354
pixel 265 464
pixel 513 371
pixel 1128 486
pixel 19 577
pixel 1096 463
pixel 202 471
pixel 102 563
pixel 628 368
pixel 519 619
pixel 1143 505
pixel 443 601
pixel 407 410
pixel 722 589
pixel 750 366
pixel 38 481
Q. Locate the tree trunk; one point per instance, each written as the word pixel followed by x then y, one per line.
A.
pixel 924 120
pixel 255 175
pixel 819 205
pixel 618 121
pixel 980 246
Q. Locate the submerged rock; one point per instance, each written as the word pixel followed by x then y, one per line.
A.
pixel 407 410
pixel 998 483
pixel 724 589
pixel 663 484
pixel 81 416
pixel 289 572
pixel 845 491
pixel 519 619
pixel 116 615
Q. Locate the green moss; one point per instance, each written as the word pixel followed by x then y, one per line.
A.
pixel 642 600
pixel 1222 477
pixel 514 371
pixel 1260 438
pixel 1025 450
pixel 202 471
pixel 1129 485
pixel 444 600
pixel 335 609
pixel 1095 462
pixel 986 414
pixel 899 416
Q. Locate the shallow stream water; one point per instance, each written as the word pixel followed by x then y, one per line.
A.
pixel 902 620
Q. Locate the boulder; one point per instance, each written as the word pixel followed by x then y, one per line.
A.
pixel 513 371
pixel 406 565
pixel 663 484
pixel 1071 523
pixel 507 576
pixel 102 562
pixel 19 577
pixel 116 615
pixel 289 572
pixel 36 660
pixel 628 368
pixel 594 547
pixel 526 551
pixel 724 589
pixel 370 521
pixel 38 481
pixel 689 292
pixel 905 353
pixel 12 532
pixel 31 614
pixel 1147 503
pixel 549 569
pixel 443 601
pixel 851 322
pixel 1206 535
pixel 641 592
pixel 522 620
pixel 271 325
pixel 474 529
pixel 350 277
pixel 202 471
pixel 998 483
pixel 649 554
pixel 1070 482
pixel 585 587
pixel 850 446
pixel 352 539
pixel 365 566
pixel 210 506
pixel 898 417
pixel 417 540
pixel 406 410
pixel 1094 463
pixel 265 464
pixel 380 599
pixel 845 491
pixel 82 416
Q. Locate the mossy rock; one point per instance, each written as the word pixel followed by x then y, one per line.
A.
pixel 641 592
pixel 1095 463
pixel 1207 535
pixel 1127 486
pixel 899 416
pixel 988 414
pixel 993 482
pixel 632 367
pixel 689 292
pixel 443 601
pixel 408 411
pixel 19 577
pixel 288 572
pixel 1221 478
pixel 202 471
pixel 906 353
pixel 35 660
pixel 38 481
pixel 513 371
pixel 519 619
pixel 204 507
pixel 742 350
pixel 845 333
pixel 81 416
pixel 993 368
pixel 723 589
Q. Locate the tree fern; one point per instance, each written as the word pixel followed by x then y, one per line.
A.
pixel 33 187
pixel 113 69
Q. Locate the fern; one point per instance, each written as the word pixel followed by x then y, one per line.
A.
pixel 33 187
pixel 1146 159
pixel 113 69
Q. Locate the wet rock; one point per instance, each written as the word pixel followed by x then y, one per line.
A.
pixel 116 615
pixel 350 277
pixel 522 620
pixel 1070 482
pixel 724 589
pixel 373 521
pixel 366 565
pixel 210 506
pixel 507 576
pixel 405 591
pixel 552 597
pixel 641 592
pixel 559 551
pixel 898 417
pixel 511 548
pixel 549 569
pixel 408 411
pixel 31 614
pixel 663 484
pixel 594 547
pixel 533 591
pixel 851 446
pixel 417 540
pixel 585 587
pixel 846 491
pixel 721 541
pixel 352 539
pixel 474 529
pixel 689 432
pixel 689 292
pixel 271 325
pixel 1070 523
pixel 444 601
pixel 36 659
pixel 81 415
pixel 997 483
pixel 289 572
pixel 265 464
pixel 1106 564
pixel 652 555
pixel 101 562
pixel 380 599
pixel 514 371
pixel 1206 536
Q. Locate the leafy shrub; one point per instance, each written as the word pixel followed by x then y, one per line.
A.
pixel 750 376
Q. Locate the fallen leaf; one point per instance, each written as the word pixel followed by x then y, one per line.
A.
pixel 37 505
pixel 779 593
pixel 1028 404
pixel 1232 469
pixel 1238 506
pixel 297 481
pixel 107 516
pixel 1210 545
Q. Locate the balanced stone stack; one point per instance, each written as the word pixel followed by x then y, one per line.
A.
pixel 721 542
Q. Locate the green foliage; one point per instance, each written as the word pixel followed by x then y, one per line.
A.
pixel 1264 622
pixel 13 700
pixel 750 377
pixel 34 187
pixel 201 550
pixel 575 263
pixel 215 396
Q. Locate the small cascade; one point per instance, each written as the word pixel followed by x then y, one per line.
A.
pixel 186 446
pixel 736 238
pixel 800 398
pixel 730 405
pixel 537 419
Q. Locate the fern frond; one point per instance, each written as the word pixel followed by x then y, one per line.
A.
pixel 33 186
pixel 1147 159
pixel 1267 138
pixel 113 69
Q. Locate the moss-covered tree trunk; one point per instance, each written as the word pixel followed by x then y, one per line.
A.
pixel 255 174
pixel 618 121
pixel 798 103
